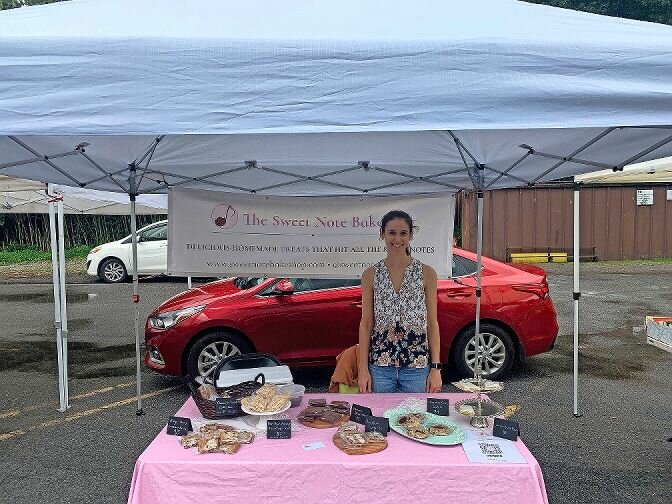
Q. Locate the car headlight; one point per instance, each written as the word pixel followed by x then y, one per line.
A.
pixel 169 319
pixel 95 249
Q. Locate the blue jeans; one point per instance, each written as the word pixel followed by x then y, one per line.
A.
pixel 402 379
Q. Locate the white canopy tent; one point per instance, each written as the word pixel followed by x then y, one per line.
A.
pixel 21 196
pixel 656 171
pixel 327 98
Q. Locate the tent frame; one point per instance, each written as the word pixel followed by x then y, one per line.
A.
pixel 475 169
pixel 158 176
pixel 56 228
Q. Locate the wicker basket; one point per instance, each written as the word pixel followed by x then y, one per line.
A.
pixel 208 408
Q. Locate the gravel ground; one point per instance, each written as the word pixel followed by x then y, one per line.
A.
pixel 617 452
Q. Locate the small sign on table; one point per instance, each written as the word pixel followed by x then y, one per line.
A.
pixel 506 429
pixel 226 406
pixel 438 406
pixel 279 429
pixel 377 424
pixel 178 426
pixel 359 413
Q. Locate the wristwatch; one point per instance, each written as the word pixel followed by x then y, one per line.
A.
pixel 435 365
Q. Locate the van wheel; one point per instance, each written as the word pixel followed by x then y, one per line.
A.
pixel 210 349
pixel 497 352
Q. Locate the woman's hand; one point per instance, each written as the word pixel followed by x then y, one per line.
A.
pixel 434 381
pixel 364 381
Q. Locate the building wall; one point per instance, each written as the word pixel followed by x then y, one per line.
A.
pixel 542 217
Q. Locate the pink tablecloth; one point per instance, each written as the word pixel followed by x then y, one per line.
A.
pixel 281 471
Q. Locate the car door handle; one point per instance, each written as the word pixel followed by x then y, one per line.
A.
pixel 461 294
pixel 358 304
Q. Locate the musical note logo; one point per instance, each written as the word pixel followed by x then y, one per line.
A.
pixel 224 216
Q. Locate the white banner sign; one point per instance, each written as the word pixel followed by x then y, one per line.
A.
pixel 220 234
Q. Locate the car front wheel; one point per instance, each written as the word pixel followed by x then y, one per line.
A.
pixel 112 270
pixel 497 352
pixel 209 350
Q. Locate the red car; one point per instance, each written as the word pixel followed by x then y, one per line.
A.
pixel 306 322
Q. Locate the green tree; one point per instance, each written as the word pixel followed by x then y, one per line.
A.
pixel 13 4
pixel 657 11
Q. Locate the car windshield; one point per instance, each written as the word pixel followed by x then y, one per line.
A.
pixel 245 283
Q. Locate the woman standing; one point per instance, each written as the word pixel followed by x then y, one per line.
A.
pixel 399 331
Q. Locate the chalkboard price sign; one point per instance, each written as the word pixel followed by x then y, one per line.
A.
pixel 359 413
pixel 279 429
pixel 225 406
pixel 506 429
pixel 438 406
pixel 377 424
pixel 178 426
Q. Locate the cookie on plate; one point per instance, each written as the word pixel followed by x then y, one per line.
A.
pixel 417 432
pixel 411 420
pixel 440 430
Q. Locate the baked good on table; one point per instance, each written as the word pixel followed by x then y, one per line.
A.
pixel 317 402
pixel 341 407
pixel 374 437
pixel 207 391
pixel 330 416
pixel 208 444
pixel 215 427
pixel 410 419
pixel 417 432
pixel 245 437
pixel 466 410
pixel 228 447
pixel 190 440
pixel 228 437
pixel 266 400
pixel 278 402
pixel 353 439
pixel 348 427
pixel 440 430
pixel 267 390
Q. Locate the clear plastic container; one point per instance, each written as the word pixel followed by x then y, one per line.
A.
pixel 295 391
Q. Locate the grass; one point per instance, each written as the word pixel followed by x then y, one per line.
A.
pixel 656 260
pixel 15 255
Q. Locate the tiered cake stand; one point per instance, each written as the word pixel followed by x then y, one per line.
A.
pixel 480 409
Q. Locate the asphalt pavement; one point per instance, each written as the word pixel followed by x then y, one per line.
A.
pixel 617 451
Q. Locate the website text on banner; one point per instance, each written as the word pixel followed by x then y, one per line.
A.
pixel 220 234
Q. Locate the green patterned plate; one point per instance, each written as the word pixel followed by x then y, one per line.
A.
pixel 456 437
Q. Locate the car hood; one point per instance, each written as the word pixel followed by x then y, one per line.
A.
pixel 103 246
pixel 203 294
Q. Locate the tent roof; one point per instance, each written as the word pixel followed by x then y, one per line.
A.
pixel 223 66
pixel 27 196
pixel 656 171
pixel 289 96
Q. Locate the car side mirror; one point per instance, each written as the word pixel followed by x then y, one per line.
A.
pixel 283 287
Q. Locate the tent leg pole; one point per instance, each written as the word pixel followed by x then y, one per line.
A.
pixel 576 296
pixel 55 274
pixel 136 296
pixel 189 282
pixel 63 301
pixel 479 250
